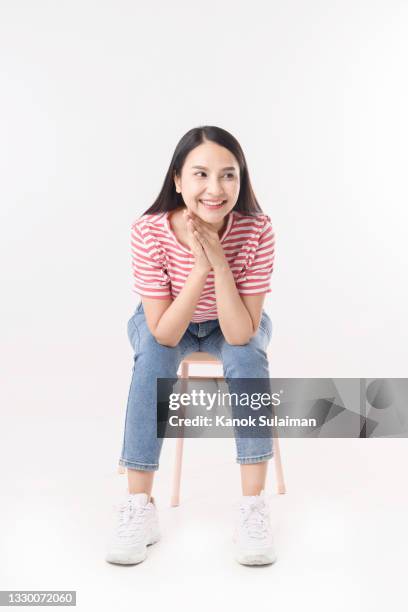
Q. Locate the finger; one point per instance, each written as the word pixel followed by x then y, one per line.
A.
pixel 189 217
pixel 196 225
pixel 194 217
pixel 198 243
pixel 201 238
pixel 206 231
pixel 190 225
pixel 204 234
pixel 194 233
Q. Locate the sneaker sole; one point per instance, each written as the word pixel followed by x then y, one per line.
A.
pixel 258 558
pixel 120 558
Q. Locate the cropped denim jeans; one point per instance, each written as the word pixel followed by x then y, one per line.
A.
pixel 141 447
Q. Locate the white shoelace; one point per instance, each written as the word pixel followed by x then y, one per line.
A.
pixel 254 519
pixel 131 518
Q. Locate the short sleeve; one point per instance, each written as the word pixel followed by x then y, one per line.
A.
pixel 256 277
pixel 149 274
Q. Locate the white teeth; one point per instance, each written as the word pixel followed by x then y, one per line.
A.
pixel 212 203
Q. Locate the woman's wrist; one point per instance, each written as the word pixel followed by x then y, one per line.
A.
pixel 222 268
pixel 201 270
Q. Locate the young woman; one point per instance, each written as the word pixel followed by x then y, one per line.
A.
pixel 202 258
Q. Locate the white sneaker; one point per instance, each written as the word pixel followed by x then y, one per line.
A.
pixel 137 527
pixel 253 534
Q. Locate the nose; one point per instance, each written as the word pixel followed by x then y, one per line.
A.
pixel 213 189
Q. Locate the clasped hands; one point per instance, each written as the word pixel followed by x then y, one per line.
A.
pixel 207 237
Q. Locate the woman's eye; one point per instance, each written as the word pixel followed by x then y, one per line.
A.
pixel 226 174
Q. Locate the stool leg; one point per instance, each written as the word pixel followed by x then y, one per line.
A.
pixel 175 498
pixel 280 481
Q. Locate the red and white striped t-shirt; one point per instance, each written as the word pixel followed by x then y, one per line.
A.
pixel 161 264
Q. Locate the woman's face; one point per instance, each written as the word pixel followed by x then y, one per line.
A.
pixel 209 182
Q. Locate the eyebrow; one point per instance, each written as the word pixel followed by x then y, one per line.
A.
pixel 205 168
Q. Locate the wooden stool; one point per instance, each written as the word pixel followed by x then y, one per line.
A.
pixel 199 358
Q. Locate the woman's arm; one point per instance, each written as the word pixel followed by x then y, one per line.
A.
pixel 169 322
pixel 234 312
pixel 239 317
pixel 177 317
pixel 235 321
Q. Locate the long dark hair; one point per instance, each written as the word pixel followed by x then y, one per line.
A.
pixel 168 198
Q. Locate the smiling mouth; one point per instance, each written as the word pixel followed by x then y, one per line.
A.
pixel 214 205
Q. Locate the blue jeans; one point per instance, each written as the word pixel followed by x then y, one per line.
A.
pixel 141 447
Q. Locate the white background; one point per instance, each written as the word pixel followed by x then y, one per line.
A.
pixel 94 98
